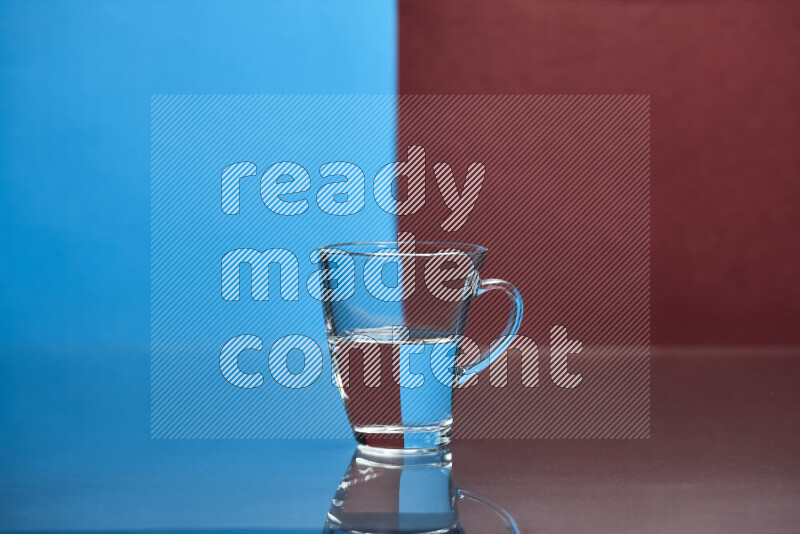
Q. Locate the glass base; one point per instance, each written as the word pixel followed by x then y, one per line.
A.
pixel 422 439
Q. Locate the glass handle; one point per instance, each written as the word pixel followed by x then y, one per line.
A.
pixel 501 344
pixel 508 521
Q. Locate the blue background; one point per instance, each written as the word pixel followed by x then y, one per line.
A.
pixel 193 139
pixel 76 80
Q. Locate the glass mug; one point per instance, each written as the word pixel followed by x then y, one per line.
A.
pixel 404 494
pixel 395 315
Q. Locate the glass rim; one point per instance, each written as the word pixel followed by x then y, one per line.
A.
pixel 392 248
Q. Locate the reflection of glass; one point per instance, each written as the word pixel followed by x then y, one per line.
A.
pixel 401 494
pixel 394 344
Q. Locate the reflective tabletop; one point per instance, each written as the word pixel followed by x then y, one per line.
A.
pixel 722 457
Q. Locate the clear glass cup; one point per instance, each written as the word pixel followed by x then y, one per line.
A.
pixel 395 315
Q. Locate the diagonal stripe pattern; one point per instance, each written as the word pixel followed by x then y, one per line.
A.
pixel 557 187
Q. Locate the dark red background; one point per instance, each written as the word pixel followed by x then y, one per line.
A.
pixel 725 172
